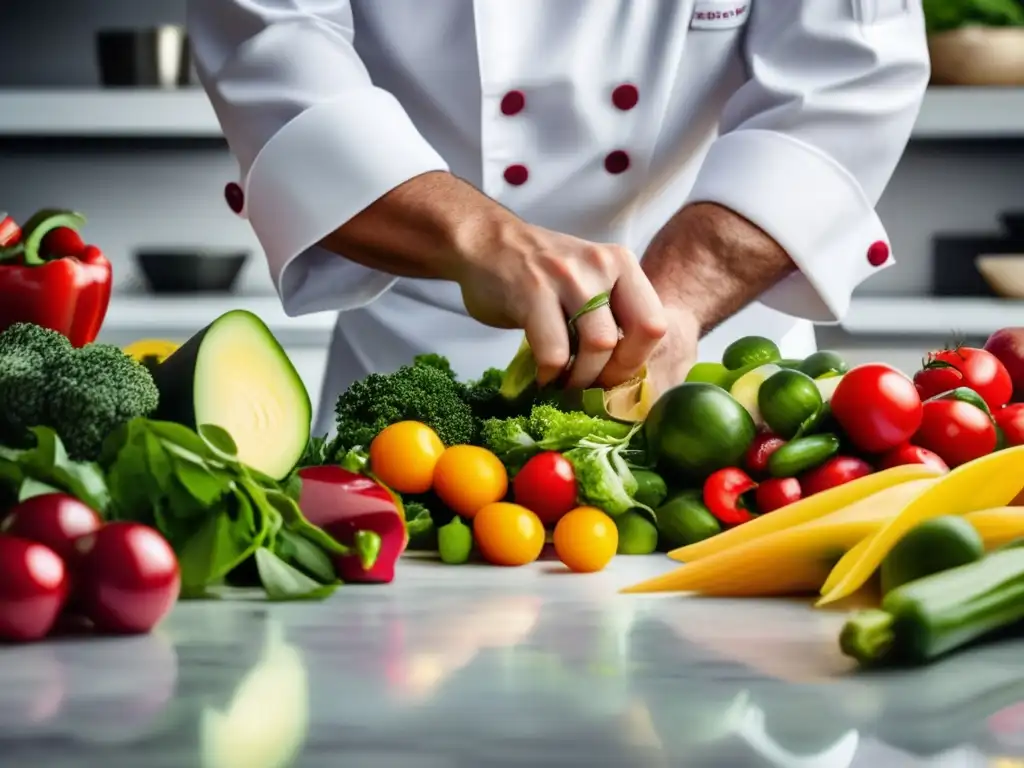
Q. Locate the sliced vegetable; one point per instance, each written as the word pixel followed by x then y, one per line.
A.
pixel 807 509
pixel 55 520
pixel 824 362
pixel 359 513
pixel 956 430
pixel 695 429
pixel 629 402
pixel 127 578
pixel 991 481
pixel 981 371
pixel 404 455
pixel 235 375
pixel 801 455
pixel 586 540
pixel 750 350
pixel 547 485
pixel 747 386
pixel 10 232
pixel 638 535
pixel 927 618
pixel 509 534
pixel 776 493
pixel 454 542
pixel 786 400
pixel 912 454
pixel 467 478
pixel 877 406
pixel 761 449
pixel 33 588
pixel 834 472
pixel 932 546
pixel 684 519
pixel 723 492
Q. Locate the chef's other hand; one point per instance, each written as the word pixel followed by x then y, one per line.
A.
pixel 514 275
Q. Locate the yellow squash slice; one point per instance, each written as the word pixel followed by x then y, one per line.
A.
pixel 805 510
pixel 991 481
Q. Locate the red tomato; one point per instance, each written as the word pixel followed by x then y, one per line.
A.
pixel 764 445
pixel 33 588
pixel 1010 419
pixel 546 485
pixel 777 492
pixel 981 371
pixel 722 492
pixel 877 407
pixel 912 454
pixel 53 519
pixel 128 577
pixel 838 470
pixel 934 381
pixel 957 431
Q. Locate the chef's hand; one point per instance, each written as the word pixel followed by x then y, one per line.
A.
pixel 514 275
pixel 675 355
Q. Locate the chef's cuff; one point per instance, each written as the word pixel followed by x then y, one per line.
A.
pixel 810 205
pixel 316 173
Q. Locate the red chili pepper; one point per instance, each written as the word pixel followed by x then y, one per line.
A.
pixel 722 495
pixel 66 292
pixel 776 493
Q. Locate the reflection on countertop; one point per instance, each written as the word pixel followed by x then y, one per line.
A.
pixel 478 666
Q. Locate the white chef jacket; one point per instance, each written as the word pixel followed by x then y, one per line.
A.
pixel 598 118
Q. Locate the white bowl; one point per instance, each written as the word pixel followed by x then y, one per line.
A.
pixel 1004 274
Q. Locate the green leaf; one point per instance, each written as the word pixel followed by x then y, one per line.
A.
pixel 284 582
pixel 218 439
pixel 48 463
pixel 31 488
pixel 213 550
pixel 157 461
pixel 297 523
pixel 305 556
pixel 202 485
pixel 181 436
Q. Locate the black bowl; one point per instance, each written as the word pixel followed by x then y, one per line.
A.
pixel 190 271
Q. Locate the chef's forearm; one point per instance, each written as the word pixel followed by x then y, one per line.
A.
pixel 713 262
pixel 424 228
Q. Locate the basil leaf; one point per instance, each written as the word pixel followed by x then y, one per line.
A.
pixel 218 439
pixel 284 582
pixel 200 483
pixel 213 550
pixel 179 436
pixel 48 463
pixel 305 556
pixel 157 461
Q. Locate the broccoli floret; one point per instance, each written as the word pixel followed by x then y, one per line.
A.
pixel 556 430
pixel 434 360
pixel 82 394
pixel 508 440
pixel 412 393
pixel 484 396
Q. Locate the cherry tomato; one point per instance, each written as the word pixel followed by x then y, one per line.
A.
pixel 957 431
pixel 722 492
pixel 912 454
pixel 981 371
pixel 53 519
pixel 468 478
pixel 760 450
pixel 934 381
pixel 403 456
pixel 33 588
pixel 777 492
pixel 1010 419
pixel 128 578
pixel 838 470
pixel 547 485
pixel 586 540
pixel 508 534
pixel 877 407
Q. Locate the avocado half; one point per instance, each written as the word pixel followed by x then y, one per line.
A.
pixel 235 374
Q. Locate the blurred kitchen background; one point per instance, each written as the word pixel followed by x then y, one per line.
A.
pixel 115 126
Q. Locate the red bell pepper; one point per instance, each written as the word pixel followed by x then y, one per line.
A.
pixel 722 495
pixel 353 509
pixel 10 232
pixel 66 288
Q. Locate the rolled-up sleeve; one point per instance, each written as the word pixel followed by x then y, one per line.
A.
pixel 316 141
pixel 809 142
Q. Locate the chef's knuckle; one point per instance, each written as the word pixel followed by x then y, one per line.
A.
pixel 653 326
pixel 599 257
pixel 551 358
pixel 599 340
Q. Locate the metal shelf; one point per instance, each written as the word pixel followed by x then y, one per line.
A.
pixel 948 113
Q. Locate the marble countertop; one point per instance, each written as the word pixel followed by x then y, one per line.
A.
pixel 474 666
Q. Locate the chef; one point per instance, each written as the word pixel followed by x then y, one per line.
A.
pixel 445 172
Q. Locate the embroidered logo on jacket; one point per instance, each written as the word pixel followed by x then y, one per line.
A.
pixel 719 14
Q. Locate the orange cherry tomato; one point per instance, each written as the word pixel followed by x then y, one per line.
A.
pixel 508 534
pixel 403 456
pixel 468 478
pixel 586 540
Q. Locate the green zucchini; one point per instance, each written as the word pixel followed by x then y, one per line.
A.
pixel 651 490
pixel 935 545
pixel 684 519
pixel 802 454
pixel 927 618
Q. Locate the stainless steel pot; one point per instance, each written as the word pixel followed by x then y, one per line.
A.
pixel 149 58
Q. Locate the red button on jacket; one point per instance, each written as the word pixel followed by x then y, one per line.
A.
pixel 516 175
pixel 878 253
pixel 513 103
pixel 625 97
pixel 616 162
pixel 235 197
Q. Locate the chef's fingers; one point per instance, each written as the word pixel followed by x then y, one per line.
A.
pixel 548 335
pixel 640 315
pixel 596 334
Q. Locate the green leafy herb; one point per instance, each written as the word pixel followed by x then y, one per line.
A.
pixel 48 464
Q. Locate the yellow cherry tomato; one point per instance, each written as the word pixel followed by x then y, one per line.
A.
pixel 403 456
pixel 508 534
pixel 468 478
pixel 586 539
